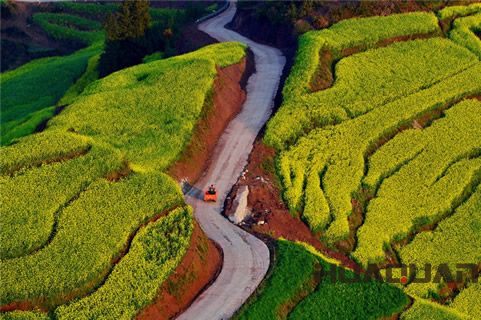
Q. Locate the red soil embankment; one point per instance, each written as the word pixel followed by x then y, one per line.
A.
pixel 265 203
pixel 221 106
pixel 199 268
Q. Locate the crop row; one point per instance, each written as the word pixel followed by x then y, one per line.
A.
pixel 373 78
pixel 67 20
pixel 102 9
pixel 303 110
pixel 134 282
pixel 453 12
pixel 41 148
pixel 23 315
pixel 27 225
pixel 88 8
pixel 92 231
pixel 455 240
pixel 467 301
pixel 463 33
pixel 64 27
pixel 338 152
pixel 426 188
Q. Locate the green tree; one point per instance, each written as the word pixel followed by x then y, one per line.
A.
pixel 125 43
pixel 131 22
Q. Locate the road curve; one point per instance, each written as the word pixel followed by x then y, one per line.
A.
pixel 246 258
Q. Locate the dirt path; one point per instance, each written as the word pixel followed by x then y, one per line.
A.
pixel 246 258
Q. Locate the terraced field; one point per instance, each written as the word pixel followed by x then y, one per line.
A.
pixel 34 92
pixel 379 141
pixel 104 225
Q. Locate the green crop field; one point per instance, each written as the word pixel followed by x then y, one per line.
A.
pixel 295 278
pixel 94 178
pixel 31 93
pixel 382 115
pixel 378 151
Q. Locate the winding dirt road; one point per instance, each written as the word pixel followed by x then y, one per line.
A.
pixel 246 258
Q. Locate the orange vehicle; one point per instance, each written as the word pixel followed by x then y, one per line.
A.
pixel 210 194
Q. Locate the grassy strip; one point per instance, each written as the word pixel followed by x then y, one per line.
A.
pixel 90 75
pixel 297 265
pixel 428 187
pixel 16 129
pixel 292 277
pixel 155 252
